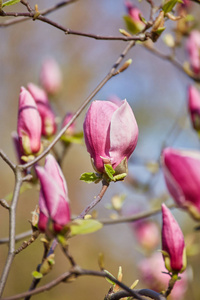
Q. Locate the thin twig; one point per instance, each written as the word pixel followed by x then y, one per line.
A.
pixel 77 271
pixel 95 201
pixel 173 61
pixel 7 160
pixel 42 12
pixel 18 237
pixel 134 218
pixel 12 222
pixel 144 292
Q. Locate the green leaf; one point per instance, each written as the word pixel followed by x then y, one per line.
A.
pixel 109 280
pixel 74 139
pixel 90 177
pixel 169 5
pixel 80 226
pixel 109 171
pixel 133 27
pixel 120 176
pixel 160 30
pixel 37 275
pixel 10 2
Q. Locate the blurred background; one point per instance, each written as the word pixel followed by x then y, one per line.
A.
pixel 157 92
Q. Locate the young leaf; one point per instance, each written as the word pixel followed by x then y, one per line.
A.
pixel 37 275
pixel 74 139
pixel 131 26
pixel 80 226
pixel 10 2
pixel 108 279
pixel 109 171
pixel 89 177
pixel 119 177
pixel 169 5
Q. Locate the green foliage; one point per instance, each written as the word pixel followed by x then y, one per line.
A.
pixel 37 275
pixel 90 177
pixel 76 138
pixel 169 5
pixel 81 226
pixel 109 280
pixel 131 26
pixel 10 2
pixel 120 177
pixel 109 171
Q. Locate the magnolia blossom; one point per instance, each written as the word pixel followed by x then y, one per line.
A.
pixel 147 234
pixel 29 124
pixel 50 76
pixel 43 106
pixel 173 245
pixel 151 270
pixel 194 106
pixel 193 48
pixel 111 134
pixel 182 176
pixel 134 18
pixel 53 199
pixel 71 129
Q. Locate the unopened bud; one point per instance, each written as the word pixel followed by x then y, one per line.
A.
pixel 125 66
pixel 124 32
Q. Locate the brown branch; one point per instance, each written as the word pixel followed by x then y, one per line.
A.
pixel 134 218
pixel 144 292
pixel 7 160
pixel 18 237
pixel 76 271
pixel 43 12
pixel 140 37
pixel 12 222
pixel 173 61
pixel 105 186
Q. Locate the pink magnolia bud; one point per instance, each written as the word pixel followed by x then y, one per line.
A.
pixel 193 48
pixel 151 270
pixel 134 13
pixel 71 129
pixel 110 132
pixel 29 124
pixel 194 106
pixel 53 200
pixel 43 106
pixel 147 234
pixel 50 76
pixel 182 176
pixel 173 245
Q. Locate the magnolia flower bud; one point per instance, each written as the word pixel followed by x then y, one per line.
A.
pixel 182 176
pixel 53 200
pixel 71 129
pixel 43 106
pixel 173 245
pixel 194 106
pixel 147 234
pixel 133 20
pixel 111 134
pixel 50 76
pixel 29 124
pixel 193 48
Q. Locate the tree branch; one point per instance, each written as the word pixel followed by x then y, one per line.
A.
pixel 134 218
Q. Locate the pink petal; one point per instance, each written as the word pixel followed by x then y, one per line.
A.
pixel 123 134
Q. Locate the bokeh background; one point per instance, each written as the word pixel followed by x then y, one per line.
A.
pixel 157 92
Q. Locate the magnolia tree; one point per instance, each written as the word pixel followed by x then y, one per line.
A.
pixel 110 134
